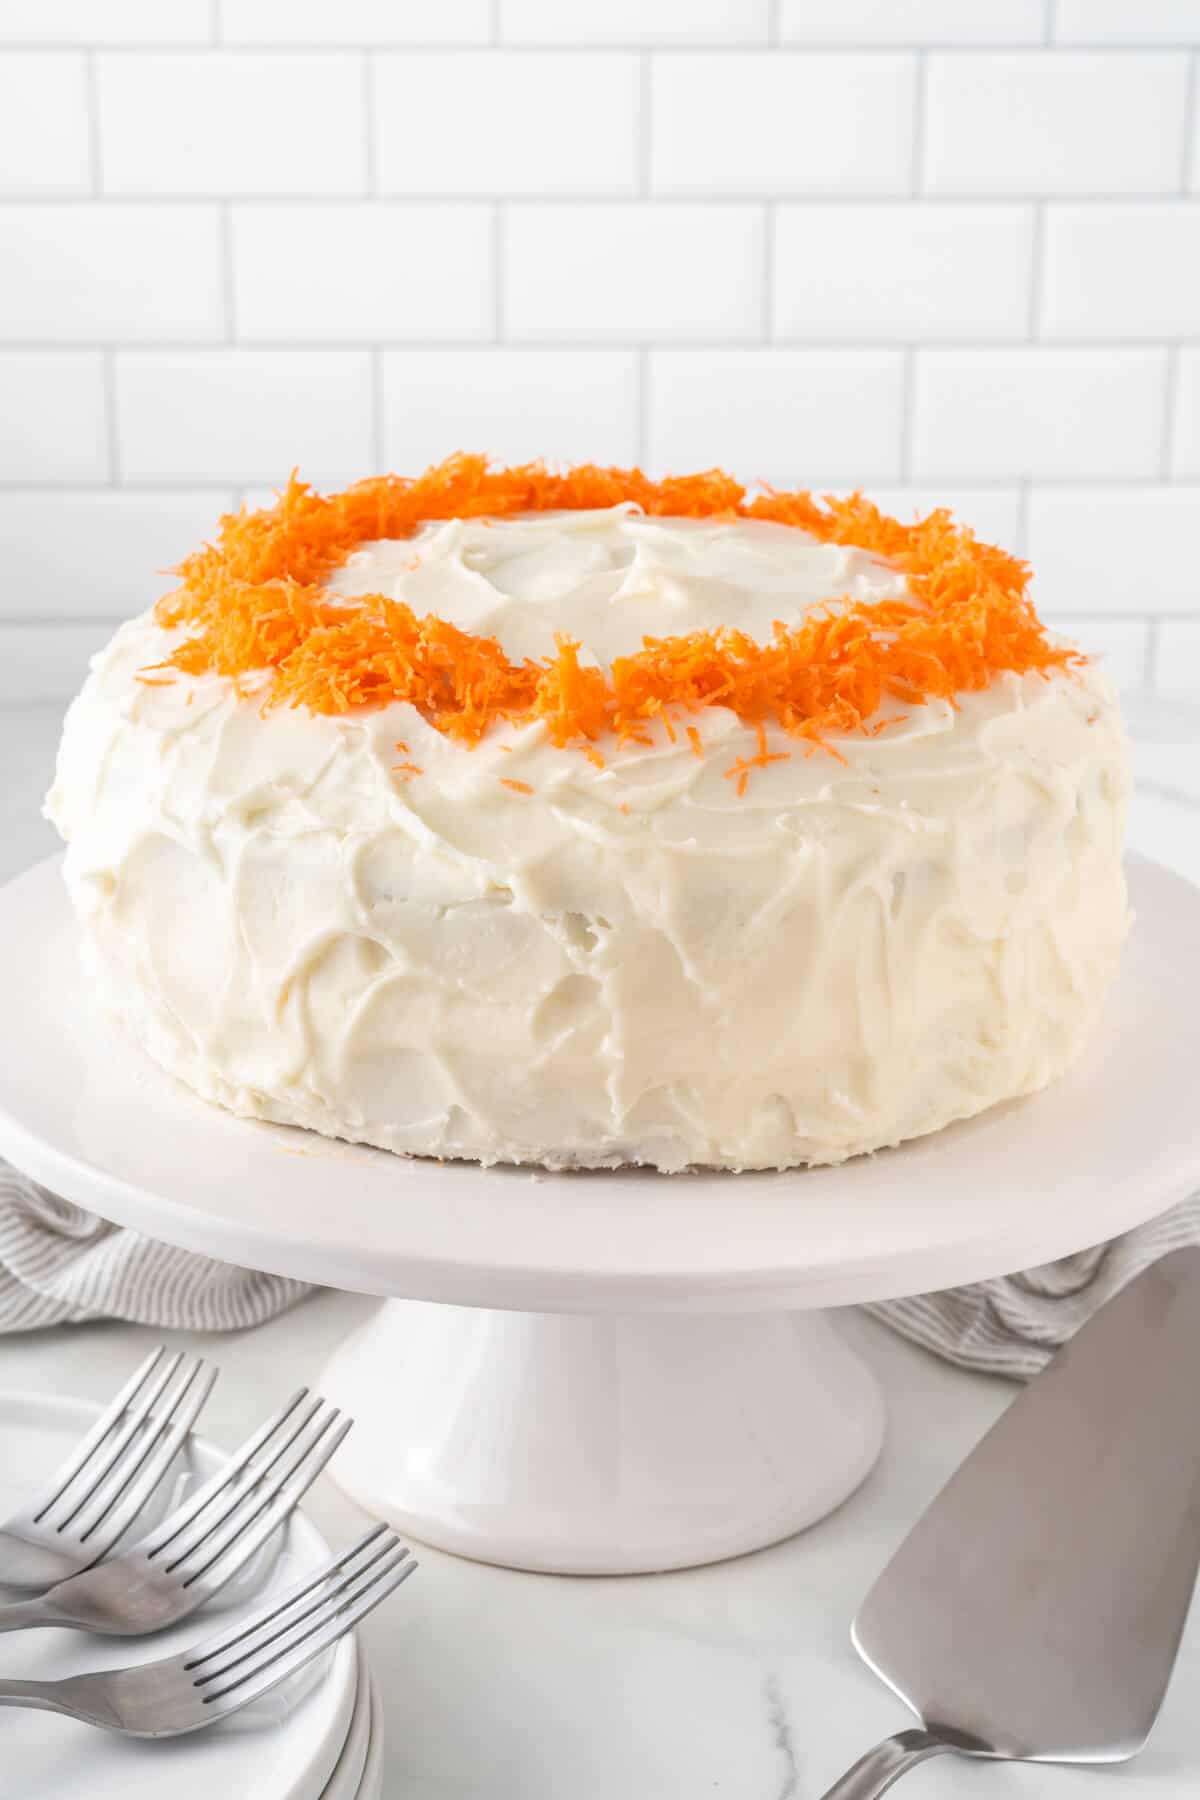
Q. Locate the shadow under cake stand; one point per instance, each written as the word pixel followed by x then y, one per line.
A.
pixel 610 1372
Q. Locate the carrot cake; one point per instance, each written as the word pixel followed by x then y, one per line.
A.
pixel 581 820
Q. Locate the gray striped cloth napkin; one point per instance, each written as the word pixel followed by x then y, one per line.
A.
pixel 60 1265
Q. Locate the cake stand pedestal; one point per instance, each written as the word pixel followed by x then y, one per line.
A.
pixel 600 1444
pixel 610 1372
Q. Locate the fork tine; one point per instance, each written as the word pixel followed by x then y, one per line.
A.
pixel 257 1625
pixel 334 1617
pixel 87 1447
pixel 309 1619
pixel 163 1447
pixel 127 1433
pixel 130 1485
pixel 242 1537
pixel 96 1506
pixel 339 1621
pixel 157 1541
pixel 297 1431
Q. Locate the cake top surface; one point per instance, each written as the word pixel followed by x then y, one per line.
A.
pixel 609 578
pixel 599 602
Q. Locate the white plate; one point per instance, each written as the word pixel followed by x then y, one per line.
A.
pixel 372 1776
pixel 1112 1144
pixel 282 1748
pixel 346 1781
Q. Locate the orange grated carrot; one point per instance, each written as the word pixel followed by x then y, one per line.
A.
pixel 256 600
pixel 518 787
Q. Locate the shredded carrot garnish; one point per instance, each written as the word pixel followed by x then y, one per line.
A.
pixel 256 600
pixel 407 769
pixel 744 764
pixel 518 787
pixel 694 741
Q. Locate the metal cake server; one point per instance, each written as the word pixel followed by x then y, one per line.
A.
pixel 1035 1610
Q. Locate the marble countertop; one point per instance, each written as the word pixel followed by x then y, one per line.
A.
pixel 736 1680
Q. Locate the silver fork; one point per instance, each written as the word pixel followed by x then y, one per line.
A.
pixel 223 1674
pixel 93 1499
pixel 190 1556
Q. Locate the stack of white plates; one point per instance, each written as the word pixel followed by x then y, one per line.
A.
pixel 317 1737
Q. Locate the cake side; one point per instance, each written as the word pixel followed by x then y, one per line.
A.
pixel 515 952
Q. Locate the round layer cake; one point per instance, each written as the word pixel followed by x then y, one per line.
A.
pixel 582 821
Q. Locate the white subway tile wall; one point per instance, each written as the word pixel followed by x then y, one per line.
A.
pixel 383 271
pixel 947 250
pixel 838 413
pixel 229 122
pixel 1185 461
pixel 458 122
pixel 232 415
pixel 617 274
pixel 565 405
pixel 44 146
pixel 781 122
pixel 1038 412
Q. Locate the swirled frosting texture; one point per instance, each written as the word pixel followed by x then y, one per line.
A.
pixel 514 955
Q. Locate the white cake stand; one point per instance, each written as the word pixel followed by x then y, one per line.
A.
pixel 624 1372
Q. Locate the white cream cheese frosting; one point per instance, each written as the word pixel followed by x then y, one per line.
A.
pixel 627 964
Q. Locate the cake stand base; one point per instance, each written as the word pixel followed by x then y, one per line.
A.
pixel 601 1445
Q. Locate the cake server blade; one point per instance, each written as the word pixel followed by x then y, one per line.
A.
pixel 1036 1608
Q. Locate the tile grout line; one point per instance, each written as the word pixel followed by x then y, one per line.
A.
pixel 1150 657
pixel 817 346
pixel 916 178
pixel 499 268
pixel 1173 376
pixel 645 146
pixel 916 170
pixel 908 414
pixel 378 444
pixel 91 77
pixel 769 230
pixel 370 134
pixel 642 420
pixel 756 46
pixel 228 286
pixel 108 356
pixel 1024 495
pixel 742 200
pixel 112 434
pixel 1190 122
pixel 1050 24
pixel 1037 261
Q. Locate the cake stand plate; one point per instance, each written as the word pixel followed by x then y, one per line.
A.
pixel 625 1371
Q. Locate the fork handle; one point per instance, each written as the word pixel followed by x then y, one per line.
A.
pixel 44 1696
pixel 874 1773
pixel 25 1615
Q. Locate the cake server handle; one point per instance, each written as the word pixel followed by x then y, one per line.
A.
pixel 874 1773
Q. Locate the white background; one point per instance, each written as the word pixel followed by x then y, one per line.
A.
pixel 945 249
